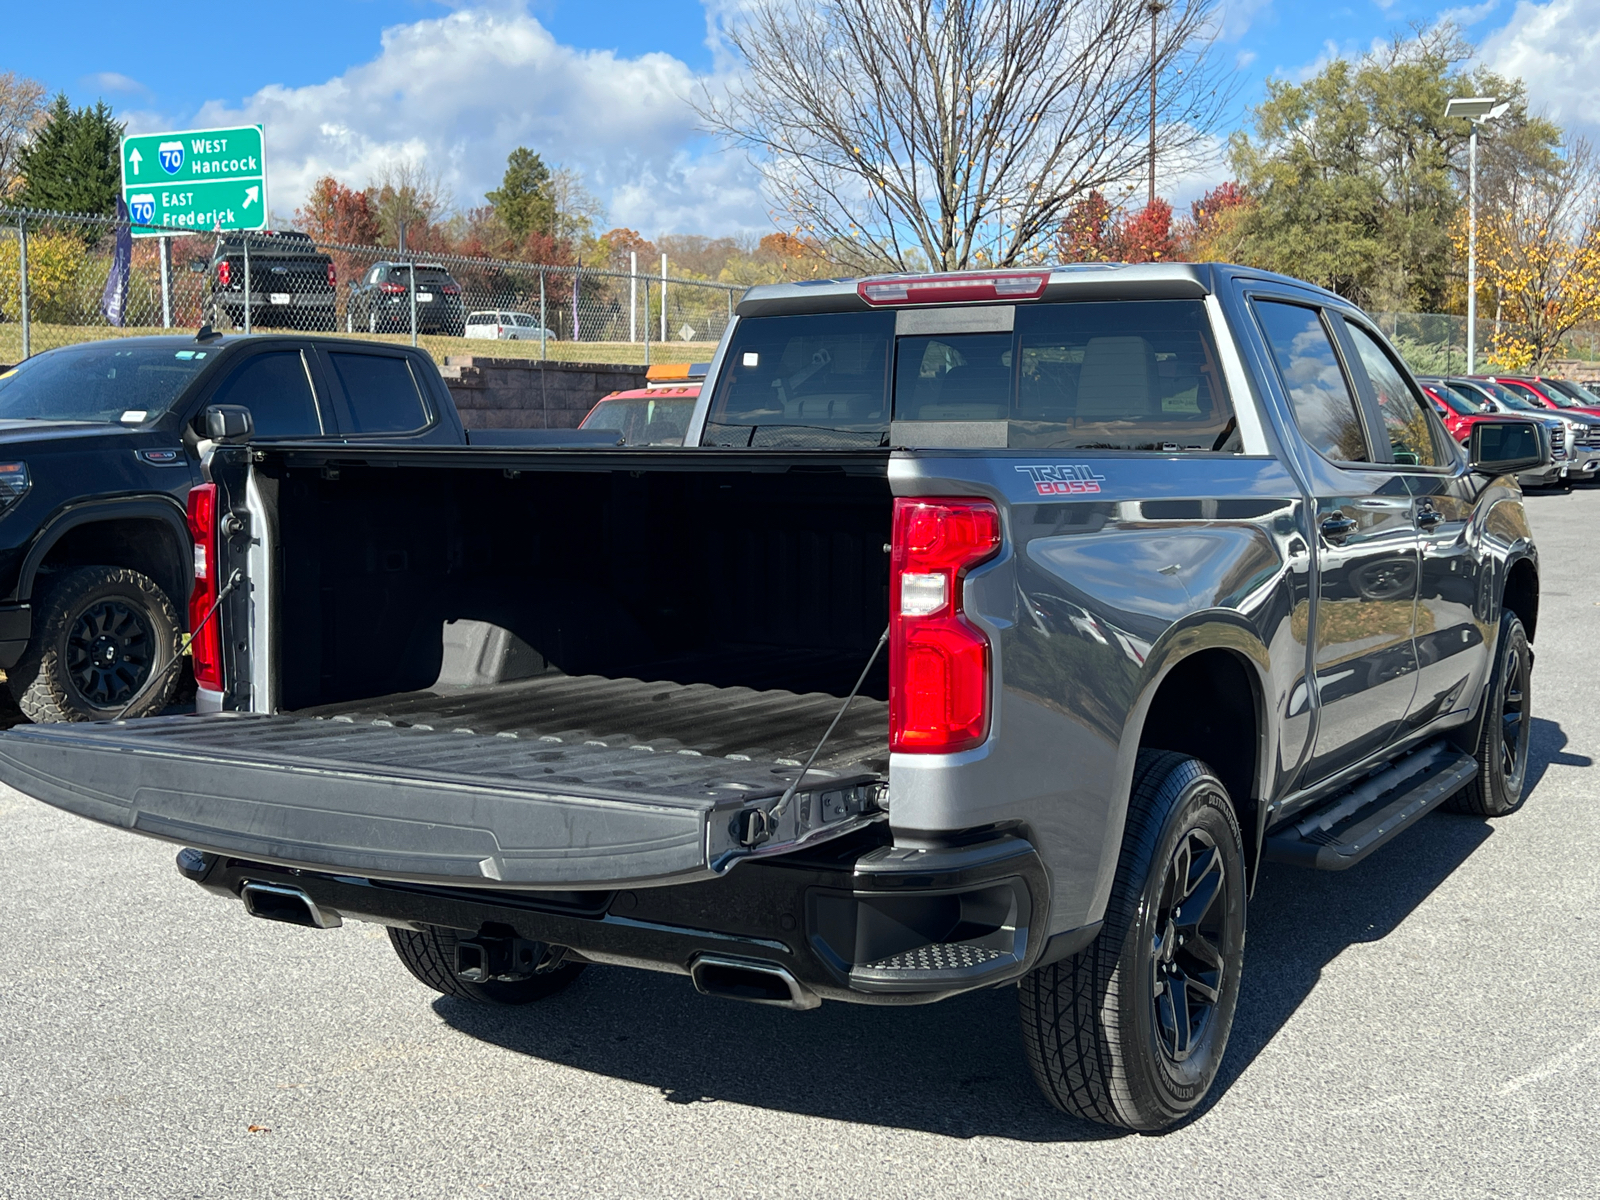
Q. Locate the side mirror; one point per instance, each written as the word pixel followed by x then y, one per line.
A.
pixel 229 423
pixel 1507 447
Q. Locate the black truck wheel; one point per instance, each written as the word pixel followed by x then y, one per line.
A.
pixel 1131 1030
pixel 102 637
pixel 431 957
pixel 1502 752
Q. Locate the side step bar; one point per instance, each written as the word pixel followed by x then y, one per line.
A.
pixel 1353 824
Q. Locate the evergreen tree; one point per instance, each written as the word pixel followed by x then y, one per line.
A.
pixel 524 199
pixel 74 163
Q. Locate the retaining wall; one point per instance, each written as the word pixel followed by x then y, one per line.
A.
pixel 520 393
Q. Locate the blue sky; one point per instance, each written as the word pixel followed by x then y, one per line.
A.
pixel 344 85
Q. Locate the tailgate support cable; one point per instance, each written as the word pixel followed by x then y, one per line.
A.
pixel 234 581
pixel 760 825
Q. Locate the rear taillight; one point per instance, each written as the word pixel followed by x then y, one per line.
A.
pixel 205 645
pixel 333 278
pixel 938 660
pixel 450 289
pixel 224 273
pixel 393 289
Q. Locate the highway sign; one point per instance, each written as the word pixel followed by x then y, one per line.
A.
pixel 199 179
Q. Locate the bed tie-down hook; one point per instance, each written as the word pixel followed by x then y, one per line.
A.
pixel 758 825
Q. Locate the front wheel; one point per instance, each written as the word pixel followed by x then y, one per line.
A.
pixel 1500 785
pixel 1131 1031
pixel 104 640
pixel 430 955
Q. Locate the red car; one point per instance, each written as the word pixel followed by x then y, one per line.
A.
pixel 1460 413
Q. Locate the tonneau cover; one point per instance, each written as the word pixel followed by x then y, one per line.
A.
pixel 420 804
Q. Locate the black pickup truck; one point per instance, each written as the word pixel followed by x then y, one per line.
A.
pixel 1175 571
pixel 99 446
pixel 271 278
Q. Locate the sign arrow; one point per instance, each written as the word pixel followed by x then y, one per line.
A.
pixel 249 195
pixel 134 159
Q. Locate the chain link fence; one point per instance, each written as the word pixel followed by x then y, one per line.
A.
pixel 1436 344
pixel 68 278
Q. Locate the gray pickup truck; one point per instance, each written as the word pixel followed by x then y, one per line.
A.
pixel 990 629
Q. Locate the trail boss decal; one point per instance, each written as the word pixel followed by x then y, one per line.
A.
pixel 1064 479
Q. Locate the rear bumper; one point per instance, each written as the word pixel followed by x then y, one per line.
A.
pixel 856 920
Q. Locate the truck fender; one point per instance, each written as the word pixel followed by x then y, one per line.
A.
pixel 160 508
pixel 1209 629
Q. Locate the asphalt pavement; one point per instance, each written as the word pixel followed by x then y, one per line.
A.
pixel 1425 1024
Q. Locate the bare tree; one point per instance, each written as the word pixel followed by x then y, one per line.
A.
pixel 407 192
pixel 949 133
pixel 21 112
pixel 577 209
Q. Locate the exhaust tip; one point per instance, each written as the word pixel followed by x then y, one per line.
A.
pixel 750 980
pixel 276 902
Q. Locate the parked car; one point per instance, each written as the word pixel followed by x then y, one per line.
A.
pixel 381 301
pixel 1461 411
pixel 1582 431
pixel 1540 393
pixel 645 416
pixel 291 282
pixel 1574 390
pixel 102 443
pixel 507 327
pixel 1176 571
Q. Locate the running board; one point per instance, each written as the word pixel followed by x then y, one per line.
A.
pixel 1344 830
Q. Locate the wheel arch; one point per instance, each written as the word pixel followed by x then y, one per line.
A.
pixel 1520 593
pixel 145 534
pixel 1209 654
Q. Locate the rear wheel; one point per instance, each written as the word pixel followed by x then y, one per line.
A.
pixel 1501 782
pixel 430 955
pixel 104 638
pixel 1131 1031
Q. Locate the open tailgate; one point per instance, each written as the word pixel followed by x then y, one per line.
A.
pixel 424 805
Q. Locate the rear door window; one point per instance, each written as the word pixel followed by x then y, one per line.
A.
pixel 1405 420
pixel 375 393
pixel 276 388
pixel 1324 406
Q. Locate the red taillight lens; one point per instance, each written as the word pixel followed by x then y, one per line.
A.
pixel 205 645
pixel 394 289
pixel 938 660
pixel 953 289
pixel 224 273
pixel 450 290
pixel 333 278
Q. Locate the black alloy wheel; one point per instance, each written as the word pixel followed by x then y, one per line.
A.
pixel 104 640
pixel 1501 783
pixel 110 652
pixel 1187 961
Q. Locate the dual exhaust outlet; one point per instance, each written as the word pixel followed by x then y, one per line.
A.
pixel 481 959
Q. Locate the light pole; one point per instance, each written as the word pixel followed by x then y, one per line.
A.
pixel 1478 110
pixel 1156 7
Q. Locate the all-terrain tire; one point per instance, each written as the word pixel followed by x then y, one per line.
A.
pixel 102 637
pixel 431 956
pixel 1100 1029
pixel 1500 786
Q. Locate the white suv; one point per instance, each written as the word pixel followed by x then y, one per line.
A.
pixel 507 327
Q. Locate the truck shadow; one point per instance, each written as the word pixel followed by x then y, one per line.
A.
pixel 957 1068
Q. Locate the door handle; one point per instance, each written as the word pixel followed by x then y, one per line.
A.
pixel 1337 527
pixel 1429 517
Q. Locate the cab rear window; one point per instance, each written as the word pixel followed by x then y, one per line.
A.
pixel 1123 375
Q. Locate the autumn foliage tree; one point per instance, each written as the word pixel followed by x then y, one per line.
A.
pixel 1094 231
pixel 1539 256
pixel 335 213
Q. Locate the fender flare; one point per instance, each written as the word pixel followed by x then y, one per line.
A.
pixel 1208 629
pixel 161 508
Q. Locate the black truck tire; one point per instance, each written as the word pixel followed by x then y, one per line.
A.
pixel 102 637
pixel 431 956
pixel 1500 785
pixel 1131 1030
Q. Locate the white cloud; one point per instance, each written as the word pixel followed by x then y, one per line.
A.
pixel 1239 15
pixel 1467 15
pixel 114 81
pixel 459 92
pixel 1552 48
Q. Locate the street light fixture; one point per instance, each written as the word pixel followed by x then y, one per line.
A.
pixel 1479 110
